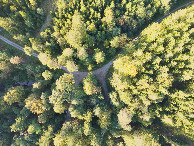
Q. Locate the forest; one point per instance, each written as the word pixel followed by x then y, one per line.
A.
pixel 150 84
pixel 83 34
pixel 21 18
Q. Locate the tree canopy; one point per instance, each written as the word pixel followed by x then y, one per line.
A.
pixel 154 77
pixel 150 84
pixel 95 31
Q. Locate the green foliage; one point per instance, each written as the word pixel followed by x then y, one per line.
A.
pixel 90 85
pixel 22 108
pixel 46 138
pixel 34 128
pixel 104 116
pixel 5 66
pixel 21 122
pixel 87 25
pixel 180 114
pixel 28 50
pixel 99 57
pixel 154 76
pixel 66 55
pixel 15 94
pixel 71 134
pixel 47 75
pixel 118 41
pixel 152 97
pixel 47 60
pixel 61 95
pixel 92 116
pixel 76 36
pixel 21 17
pixel 140 138
pixel 125 117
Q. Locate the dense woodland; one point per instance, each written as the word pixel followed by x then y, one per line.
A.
pixel 153 79
pixel 21 18
pixel 151 85
pixel 83 33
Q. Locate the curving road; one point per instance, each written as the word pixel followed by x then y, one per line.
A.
pixel 101 72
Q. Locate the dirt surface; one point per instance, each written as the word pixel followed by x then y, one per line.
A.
pixel 47 6
pixel 46 23
pixel 101 72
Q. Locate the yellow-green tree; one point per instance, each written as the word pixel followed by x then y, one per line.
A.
pixel 62 94
pixel 90 85
pixel 13 95
pixel 77 35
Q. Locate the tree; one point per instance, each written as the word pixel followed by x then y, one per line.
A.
pixel 71 135
pixel 35 105
pixel 180 112
pixel 99 57
pixel 8 24
pixel 46 138
pixel 44 58
pixel 104 115
pixel 62 94
pixel 82 53
pixel 16 60
pixel 66 55
pixel 140 138
pixel 34 128
pixel 13 95
pixel 21 18
pixel 126 66
pixel 77 35
pixel 90 85
pixel 125 117
pixel 71 66
pixel 118 41
pixel 65 82
pixel 33 3
pixel 109 16
pixel 92 28
pixel 21 121
pixel 153 78
pixel 47 75
pixel 28 50
pixel 5 67
pixel 47 60
pixel 60 101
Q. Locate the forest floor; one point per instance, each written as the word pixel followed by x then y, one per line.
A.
pixel 47 6
pixel 101 72
pixel 46 24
